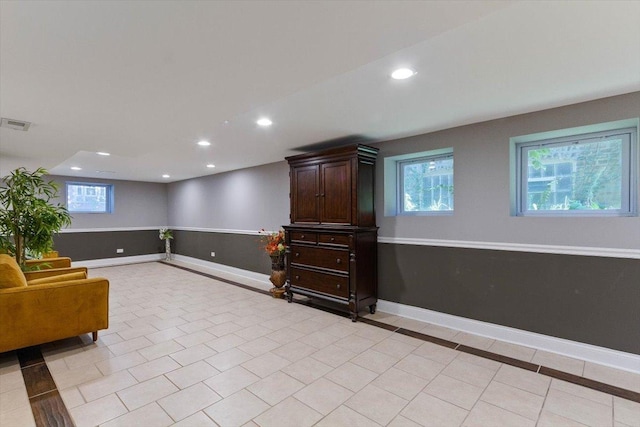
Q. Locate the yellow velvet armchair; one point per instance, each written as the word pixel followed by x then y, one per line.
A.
pixel 41 306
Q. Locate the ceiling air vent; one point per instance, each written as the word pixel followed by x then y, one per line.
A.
pixel 14 124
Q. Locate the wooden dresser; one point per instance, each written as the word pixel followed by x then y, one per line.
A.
pixel 332 238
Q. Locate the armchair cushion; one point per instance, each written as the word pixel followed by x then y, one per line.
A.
pixel 10 274
pixel 58 278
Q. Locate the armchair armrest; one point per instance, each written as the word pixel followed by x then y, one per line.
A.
pixel 39 274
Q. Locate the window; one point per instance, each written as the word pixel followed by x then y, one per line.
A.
pixel 89 198
pixel 588 174
pixel 425 184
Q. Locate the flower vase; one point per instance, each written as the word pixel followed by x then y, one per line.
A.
pixel 278 275
pixel 167 250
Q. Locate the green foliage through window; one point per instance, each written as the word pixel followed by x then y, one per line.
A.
pixel 426 184
pixel 586 173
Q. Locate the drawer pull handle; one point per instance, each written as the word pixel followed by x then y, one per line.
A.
pixel 297 277
pixel 338 261
pixel 297 254
pixel 333 239
pixel 302 237
pixel 337 286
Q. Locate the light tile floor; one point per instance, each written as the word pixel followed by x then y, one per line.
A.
pixel 187 350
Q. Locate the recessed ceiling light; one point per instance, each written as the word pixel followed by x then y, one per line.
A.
pixel 211 165
pixel 226 122
pixel 402 73
pixel 102 153
pixel 204 143
pixel 166 176
pixel 75 168
pixel 264 122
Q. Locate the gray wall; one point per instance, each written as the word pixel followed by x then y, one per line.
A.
pixel 482 183
pixel 587 299
pixel 246 199
pixel 104 244
pixel 237 250
pixel 136 204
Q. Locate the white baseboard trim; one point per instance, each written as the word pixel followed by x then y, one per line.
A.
pixel 246 277
pixel 590 353
pixel 108 262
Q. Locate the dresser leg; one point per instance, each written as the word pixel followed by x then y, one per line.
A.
pixel 372 309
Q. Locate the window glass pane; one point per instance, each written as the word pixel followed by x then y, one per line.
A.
pixel 582 175
pixel 89 198
pixel 427 185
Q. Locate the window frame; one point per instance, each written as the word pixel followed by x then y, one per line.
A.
pixel 628 173
pixel 109 196
pixel 423 157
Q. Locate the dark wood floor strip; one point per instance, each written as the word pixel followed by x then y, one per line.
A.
pixel 499 358
pixel 425 337
pixel 47 405
pixel 585 382
pixel 49 410
pixel 592 384
pixel 29 356
pixel 382 325
pixel 38 379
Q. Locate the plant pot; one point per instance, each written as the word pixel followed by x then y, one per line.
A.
pixel 278 275
pixel 278 278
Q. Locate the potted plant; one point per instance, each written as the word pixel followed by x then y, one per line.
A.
pixel 28 220
pixel 274 245
pixel 166 235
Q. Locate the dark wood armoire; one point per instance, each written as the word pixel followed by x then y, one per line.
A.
pixel 332 238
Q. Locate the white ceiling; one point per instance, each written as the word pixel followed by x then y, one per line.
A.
pixel 146 80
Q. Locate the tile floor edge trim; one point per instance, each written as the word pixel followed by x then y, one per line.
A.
pixel 540 369
pixel 577 350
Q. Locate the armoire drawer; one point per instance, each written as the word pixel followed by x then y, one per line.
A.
pixel 333 239
pixel 334 259
pixel 303 236
pixel 320 282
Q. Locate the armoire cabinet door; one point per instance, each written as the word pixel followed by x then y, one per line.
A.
pixel 305 194
pixel 335 195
